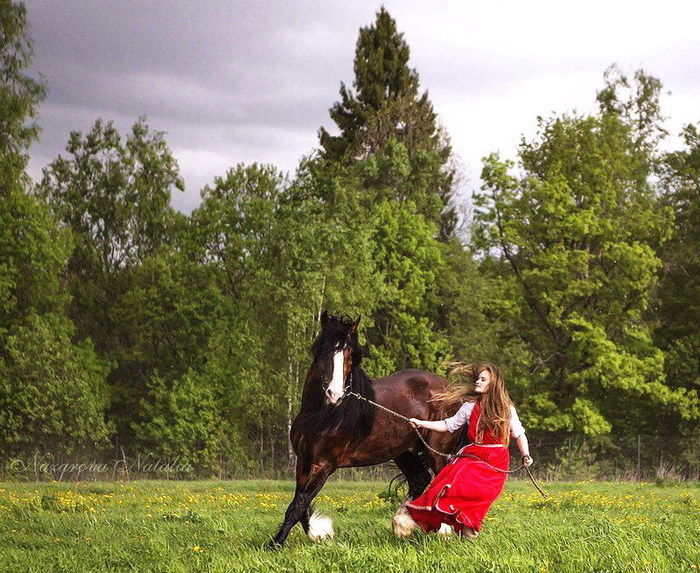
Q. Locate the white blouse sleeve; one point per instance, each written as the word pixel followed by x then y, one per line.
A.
pixel 460 418
pixel 516 427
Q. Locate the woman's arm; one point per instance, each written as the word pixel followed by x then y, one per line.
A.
pixel 435 425
pixel 524 448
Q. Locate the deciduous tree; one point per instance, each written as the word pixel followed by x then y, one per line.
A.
pixel 579 230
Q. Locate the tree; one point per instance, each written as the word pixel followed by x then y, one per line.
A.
pixel 383 259
pixel 240 234
pixel 678 294
pixel 53 394
pixel 578 232
pixel 636 103
pixel 20 94
pixel 33 255
pixel 234 225
pixel 114 196
pixel 32 248
pixel 182 420
pixel 161 326
pixel 386 109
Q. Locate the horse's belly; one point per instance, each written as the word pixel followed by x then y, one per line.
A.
pixel 379 447
pixel 360 460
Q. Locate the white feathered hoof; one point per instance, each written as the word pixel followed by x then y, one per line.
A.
pixel 403 523
pixel 445 529
pixel 320 527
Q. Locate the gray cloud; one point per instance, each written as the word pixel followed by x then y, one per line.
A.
pixel 242 81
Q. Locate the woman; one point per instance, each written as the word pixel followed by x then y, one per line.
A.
pixel 462 493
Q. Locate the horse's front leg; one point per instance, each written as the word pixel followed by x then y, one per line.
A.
pixel 309 483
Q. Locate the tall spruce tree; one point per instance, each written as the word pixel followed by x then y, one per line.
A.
pixel 384 109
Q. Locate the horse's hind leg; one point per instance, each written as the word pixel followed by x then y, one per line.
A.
pixel 418 478
pixel 416 473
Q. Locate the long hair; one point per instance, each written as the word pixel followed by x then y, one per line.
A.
pixel 495 403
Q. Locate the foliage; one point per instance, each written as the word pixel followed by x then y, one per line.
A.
pixel 33 254
pixel 678 294
pixel 254 236
pixel 20 94
pixel 161 326
pixel 52 393
pixel 579 230
pixel 408 259
pixel 581 278
pixel 385 110
pixel 114 197
pixel 182 420
pixel 32 248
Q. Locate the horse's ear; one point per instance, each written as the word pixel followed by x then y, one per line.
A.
pixel 353 326
pixel 324 318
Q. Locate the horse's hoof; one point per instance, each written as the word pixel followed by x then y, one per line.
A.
pixel 445 529
pixel 469 533
pixel 403 524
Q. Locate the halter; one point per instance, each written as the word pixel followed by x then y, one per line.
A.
pixel 347 390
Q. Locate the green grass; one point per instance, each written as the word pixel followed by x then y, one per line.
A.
pixel 224 526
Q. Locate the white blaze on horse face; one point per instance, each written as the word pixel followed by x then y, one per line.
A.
pixel 335 387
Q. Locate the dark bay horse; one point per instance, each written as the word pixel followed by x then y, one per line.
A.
pixel 334 429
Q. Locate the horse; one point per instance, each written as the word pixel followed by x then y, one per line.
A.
pixel 336 429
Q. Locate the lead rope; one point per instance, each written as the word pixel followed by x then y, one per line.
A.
pixel 443 454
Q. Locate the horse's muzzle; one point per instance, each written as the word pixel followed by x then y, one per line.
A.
pixel 333 398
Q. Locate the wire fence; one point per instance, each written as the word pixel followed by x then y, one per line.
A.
pixel 557 457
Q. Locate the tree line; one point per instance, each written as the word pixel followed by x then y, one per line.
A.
pixel 125 321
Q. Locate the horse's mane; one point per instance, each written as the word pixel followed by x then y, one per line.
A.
pixel 353 417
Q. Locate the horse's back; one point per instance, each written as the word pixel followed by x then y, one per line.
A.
pixel 409 392
pixel 413 393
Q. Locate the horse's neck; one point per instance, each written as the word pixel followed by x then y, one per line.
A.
pixel 361 383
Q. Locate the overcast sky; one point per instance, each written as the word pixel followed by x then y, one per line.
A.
pixel 251 81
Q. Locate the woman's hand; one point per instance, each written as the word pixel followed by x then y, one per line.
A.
pixel 527 460
pixel 433 425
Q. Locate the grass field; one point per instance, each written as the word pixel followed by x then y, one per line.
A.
pixel 224 526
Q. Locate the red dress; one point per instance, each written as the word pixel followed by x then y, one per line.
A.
pixel 463 491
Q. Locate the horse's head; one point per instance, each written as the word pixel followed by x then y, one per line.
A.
pixel 336 352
